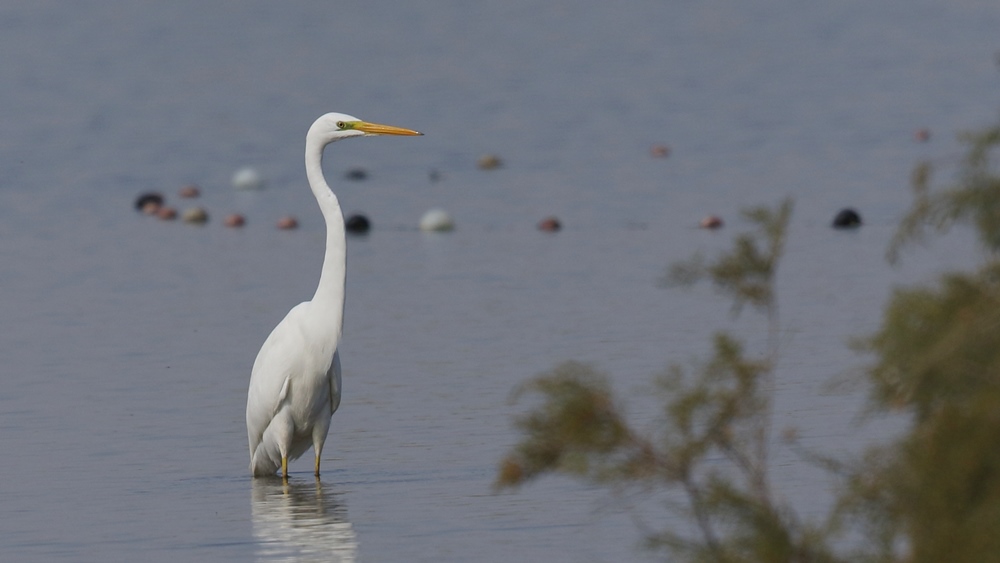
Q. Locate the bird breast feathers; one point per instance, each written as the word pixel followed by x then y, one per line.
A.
pixel 298 346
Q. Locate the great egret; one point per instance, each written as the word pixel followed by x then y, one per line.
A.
pixel 295 382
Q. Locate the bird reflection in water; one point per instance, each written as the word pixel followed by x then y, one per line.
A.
pixel 300 522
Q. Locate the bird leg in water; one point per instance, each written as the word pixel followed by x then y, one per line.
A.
pixel 284 468
pixel 317 465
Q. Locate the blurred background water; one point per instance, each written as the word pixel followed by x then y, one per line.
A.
pixel 127 342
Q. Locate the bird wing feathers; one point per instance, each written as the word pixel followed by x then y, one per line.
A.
pixel 334 375
pixel 284 357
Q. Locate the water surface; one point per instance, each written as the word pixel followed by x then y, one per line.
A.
pixel 128 342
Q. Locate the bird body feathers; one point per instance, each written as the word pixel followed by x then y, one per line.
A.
pixel 295 388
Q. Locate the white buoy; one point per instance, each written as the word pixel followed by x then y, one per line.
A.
pixel 248 178
pixel 436 220
pixel 195 215
pixel 489 162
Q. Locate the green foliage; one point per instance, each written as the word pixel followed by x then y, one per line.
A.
pixel 747 272
pixel 578 430
pixel 939 346
pixel 931 495
pixel 934 495
pixel 719 410
pixel 974 199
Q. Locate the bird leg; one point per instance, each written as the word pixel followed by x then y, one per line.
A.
pixel 317 465
pixel 284 468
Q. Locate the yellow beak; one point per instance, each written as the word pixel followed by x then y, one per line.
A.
pixel 379 129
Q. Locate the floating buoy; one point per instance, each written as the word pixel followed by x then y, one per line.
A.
pixel 166 213
pixel 436 220
pixel 356 174
pixel 288 223
pixel 149 203
pixel 847 218
pixel 235 220
pixel 659 151
pixel 189 191
pixel 489 162
pixel 248 178
pixel 195 216
pixel 357 224
pixel 549 224
pixel 711 222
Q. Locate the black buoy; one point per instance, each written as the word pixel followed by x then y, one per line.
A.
pixel 357 224
pixel 356 174
pixel 847 218
pixel 149 202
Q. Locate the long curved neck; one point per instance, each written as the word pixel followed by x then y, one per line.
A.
pixel 332 281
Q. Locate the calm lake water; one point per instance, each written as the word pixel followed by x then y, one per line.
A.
pixel 127 342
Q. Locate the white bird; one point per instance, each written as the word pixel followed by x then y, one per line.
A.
pixel 295 382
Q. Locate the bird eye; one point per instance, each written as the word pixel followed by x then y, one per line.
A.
pixel 341 125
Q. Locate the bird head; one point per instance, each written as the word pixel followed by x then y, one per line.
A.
pixel 335 126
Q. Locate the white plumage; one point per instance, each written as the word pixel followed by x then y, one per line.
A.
pixel 295 382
